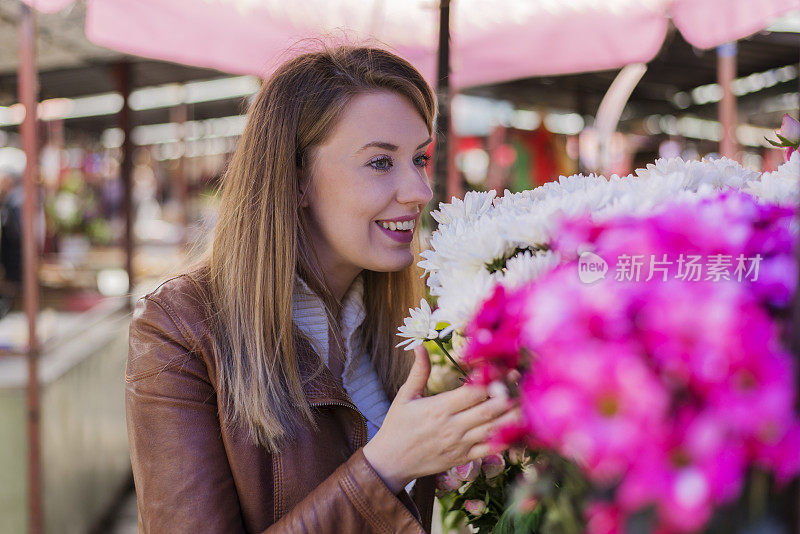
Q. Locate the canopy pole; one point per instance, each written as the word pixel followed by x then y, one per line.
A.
pixel 455 184
pixel 27 88
pixel 441 160
pixel 611 108
pixel 179 115
pixel 726 73
pixel 123 74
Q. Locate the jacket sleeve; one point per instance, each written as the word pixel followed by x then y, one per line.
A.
pixel 181 472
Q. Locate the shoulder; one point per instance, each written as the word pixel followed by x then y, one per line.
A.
pixel 184 297
pixel 171 325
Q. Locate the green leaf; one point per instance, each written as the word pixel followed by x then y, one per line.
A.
pixel 505 525
pixel 774 143
pixel 512 523
pixel 529 522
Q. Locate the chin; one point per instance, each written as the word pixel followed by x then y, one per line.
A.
pixel 396 263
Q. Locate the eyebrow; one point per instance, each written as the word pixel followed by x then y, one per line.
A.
pixel 390 146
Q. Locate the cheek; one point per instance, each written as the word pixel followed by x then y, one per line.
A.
pixel 347 207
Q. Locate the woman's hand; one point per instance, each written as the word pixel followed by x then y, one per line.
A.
pixel 425 435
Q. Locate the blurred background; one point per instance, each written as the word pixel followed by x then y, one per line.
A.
pixel 128 112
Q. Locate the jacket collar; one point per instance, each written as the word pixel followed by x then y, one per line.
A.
pixel 319 384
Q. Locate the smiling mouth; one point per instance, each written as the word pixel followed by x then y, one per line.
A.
pixel 405 231
pixel 404 226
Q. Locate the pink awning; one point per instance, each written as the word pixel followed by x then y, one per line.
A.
pixel 48 6
pixel 709 23
pixel 492 40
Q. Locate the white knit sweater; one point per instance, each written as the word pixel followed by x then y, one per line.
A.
pixel 359 378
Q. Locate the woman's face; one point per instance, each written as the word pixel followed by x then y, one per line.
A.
pixel 369 174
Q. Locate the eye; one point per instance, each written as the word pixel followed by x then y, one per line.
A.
pixel 381 164
pixel 423 160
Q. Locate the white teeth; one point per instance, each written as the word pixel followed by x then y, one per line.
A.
pixel 403 225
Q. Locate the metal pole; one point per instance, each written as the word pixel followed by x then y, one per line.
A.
pixel 726 73
pixel 179 115
pixel 27 88
pixel 440 169
pixel 123 75
pixel 455 184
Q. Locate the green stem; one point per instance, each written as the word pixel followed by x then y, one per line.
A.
pixel 441 346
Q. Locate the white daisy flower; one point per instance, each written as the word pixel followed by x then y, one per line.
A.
pixel 477 234
pixel 460 295
pixel 526 267
pixel 418 327
pixel 781 186
pixel 475 204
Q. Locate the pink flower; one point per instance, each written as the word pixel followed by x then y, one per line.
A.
pixel 494 336
pixel 466 472
pixel 696 467
pixel 665 392
pixel 509 434
pixel 595 402
pixel 790 129
pixel 780 453
pixel 492 465
pixel 476 507
pixel 445 483
pixel 604 518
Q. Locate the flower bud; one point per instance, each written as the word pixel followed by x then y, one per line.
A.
pixel 475 507
pixel 518 455
pixel 493 465
pixel 446 482
pixel 790 129
pixel 466 472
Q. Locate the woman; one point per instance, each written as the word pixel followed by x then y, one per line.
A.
pixel 264 391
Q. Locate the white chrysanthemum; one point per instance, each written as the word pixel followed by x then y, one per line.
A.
pixel 419 327
pixel 465 246
pixel 721 173
pixel 773 188
pixel 459 297
pixel 481 229
pixel 527 266
pixel 475 204
pixel 510 200
pixel 781 186
pixel 528 229
pixel 790 169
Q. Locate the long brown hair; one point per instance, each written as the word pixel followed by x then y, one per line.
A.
pixel 261 239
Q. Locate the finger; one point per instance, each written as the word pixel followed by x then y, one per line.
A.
pixel 414 385
pixel 462 397
pixel 482 412
pixel 479 450
pixel 481 432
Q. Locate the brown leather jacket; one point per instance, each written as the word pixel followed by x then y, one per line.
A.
pixel 194 475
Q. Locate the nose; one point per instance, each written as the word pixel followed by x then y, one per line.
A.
pixel 414 187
